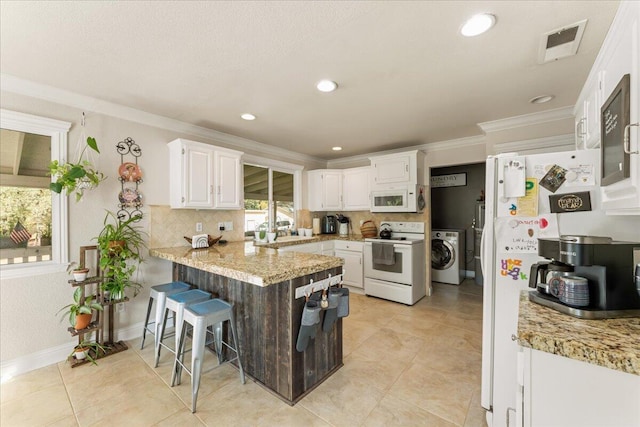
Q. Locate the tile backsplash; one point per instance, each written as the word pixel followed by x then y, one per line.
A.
pixel 168 226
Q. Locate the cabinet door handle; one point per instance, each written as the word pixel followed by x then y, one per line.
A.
pixel 211 189
pixel 627 142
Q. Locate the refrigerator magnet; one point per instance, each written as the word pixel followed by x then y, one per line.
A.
pixel 570 202
pixel 554 178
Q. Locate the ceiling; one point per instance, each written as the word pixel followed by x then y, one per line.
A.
pixel 406 76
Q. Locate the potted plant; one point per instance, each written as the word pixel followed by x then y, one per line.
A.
pixel 75 177
pixel 80 312
pixel 79 273
pixel 120 244
pixel 90 350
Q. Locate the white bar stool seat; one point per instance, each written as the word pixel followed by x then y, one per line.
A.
pixel 158 293
pixel 176 304
pixel 201 316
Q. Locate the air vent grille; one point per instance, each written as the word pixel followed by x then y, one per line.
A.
pixel 561 42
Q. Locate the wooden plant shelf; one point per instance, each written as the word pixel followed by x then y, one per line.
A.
pixel 93 326
pixel 87 281
pixel 114 348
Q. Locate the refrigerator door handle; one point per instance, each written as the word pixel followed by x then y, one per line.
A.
pixel 482 251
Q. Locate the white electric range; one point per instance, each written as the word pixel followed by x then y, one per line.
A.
pixel 395 268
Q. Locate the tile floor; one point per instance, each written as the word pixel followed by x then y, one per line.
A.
pixel 403 366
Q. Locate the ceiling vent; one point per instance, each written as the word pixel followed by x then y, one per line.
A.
pixel 561 42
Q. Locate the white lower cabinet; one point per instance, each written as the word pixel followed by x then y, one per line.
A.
pixel 351 253
pixel 558 391
pixel 310 248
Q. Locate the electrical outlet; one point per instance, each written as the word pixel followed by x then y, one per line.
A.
pixel 221 226
pixel 198 226
pixel 120 307
pixel 228 225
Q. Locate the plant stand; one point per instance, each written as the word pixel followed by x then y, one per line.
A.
pixel 98 325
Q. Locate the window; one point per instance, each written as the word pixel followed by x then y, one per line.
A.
pixel 33 230
pixel 269 197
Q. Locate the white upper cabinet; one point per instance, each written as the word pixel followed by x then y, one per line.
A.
pixel 325 189
pixel 202 176
pixel 355 189
pixel 398 169
pixel 338 189
pixel 228 180
pixel 618 56
pixel 587 114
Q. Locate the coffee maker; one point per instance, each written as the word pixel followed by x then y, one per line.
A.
pixel 329 224
pixel 602 266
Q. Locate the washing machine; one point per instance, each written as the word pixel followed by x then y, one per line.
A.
pixel 447 256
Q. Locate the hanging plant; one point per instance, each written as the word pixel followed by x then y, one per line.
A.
pixel 76 177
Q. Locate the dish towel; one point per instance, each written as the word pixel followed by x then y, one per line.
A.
pixel 383 253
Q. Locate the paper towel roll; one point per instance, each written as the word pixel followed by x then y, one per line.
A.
pixel 316 225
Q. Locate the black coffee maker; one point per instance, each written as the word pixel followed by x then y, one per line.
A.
pixel 329 224
pixel 607 265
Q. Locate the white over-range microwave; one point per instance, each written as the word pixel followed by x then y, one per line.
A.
pixel 410 198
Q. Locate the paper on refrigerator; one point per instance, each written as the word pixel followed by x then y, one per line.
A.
pixel 520 234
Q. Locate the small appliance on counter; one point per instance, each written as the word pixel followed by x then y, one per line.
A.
pixel 329 224
pixel 588 277
pixel 385 231
pixel 343 225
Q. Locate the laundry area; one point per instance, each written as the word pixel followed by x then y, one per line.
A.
pixel 457 219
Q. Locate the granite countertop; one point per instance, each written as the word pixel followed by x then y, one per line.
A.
pixel 612 343
pixel 243 261
pixel 298 240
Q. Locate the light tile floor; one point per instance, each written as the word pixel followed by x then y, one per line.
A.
pixel 403 366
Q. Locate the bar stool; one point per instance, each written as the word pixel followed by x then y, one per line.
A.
pixel 176 304
pixel 201 316
pixel 159 294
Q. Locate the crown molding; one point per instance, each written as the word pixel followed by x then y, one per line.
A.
pixel 558 141
pixel 454 144
pixel 32 89
pixel 451 144
pixel 527 120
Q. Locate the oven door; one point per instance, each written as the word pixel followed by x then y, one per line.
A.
pixel 399 272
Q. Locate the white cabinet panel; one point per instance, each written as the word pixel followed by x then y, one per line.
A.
pixel 355 189
pixel 564 392
pixel 324 190
pixel 228 180
pixel 196 169
pixel 398 169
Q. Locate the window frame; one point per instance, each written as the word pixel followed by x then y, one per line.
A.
pixel 278 166
pixel 58 131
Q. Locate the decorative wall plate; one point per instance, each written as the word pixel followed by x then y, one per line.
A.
pixel 129 172
pixel 130 197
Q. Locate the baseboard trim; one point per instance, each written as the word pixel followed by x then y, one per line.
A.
pixel 52 355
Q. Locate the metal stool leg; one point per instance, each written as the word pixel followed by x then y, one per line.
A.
pixel 146 322
pixel 236 346
pixel 162 329
pixel 197 354
pixel 176 376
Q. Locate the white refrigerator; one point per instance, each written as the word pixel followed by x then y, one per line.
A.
pixel 517 214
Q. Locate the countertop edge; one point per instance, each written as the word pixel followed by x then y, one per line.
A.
pixel 610 343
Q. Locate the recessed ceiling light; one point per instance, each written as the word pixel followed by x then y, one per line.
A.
pixel 541 99
pixel 478 24
pixel 248 116
pixel 336 148
pixel 327 86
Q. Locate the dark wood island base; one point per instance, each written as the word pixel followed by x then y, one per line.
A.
pixel 268 321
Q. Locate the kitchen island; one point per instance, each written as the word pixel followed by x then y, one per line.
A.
pixel 261 284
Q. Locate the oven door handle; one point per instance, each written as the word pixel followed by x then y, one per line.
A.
pixel 398 246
